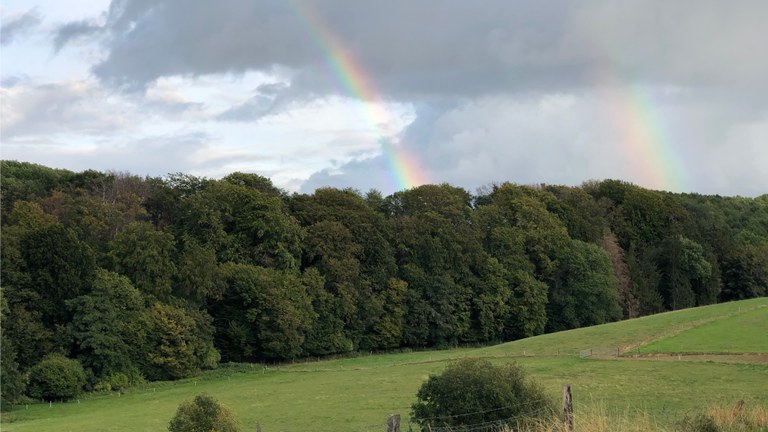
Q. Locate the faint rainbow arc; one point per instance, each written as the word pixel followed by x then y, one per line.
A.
pixel 646 137
pixel 405 169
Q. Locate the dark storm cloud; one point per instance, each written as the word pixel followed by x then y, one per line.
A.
pixel 412 49
pixel 17 26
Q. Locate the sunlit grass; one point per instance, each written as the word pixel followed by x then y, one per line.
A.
pixel 745 332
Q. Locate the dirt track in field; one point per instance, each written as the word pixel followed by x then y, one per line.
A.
pixel 759 358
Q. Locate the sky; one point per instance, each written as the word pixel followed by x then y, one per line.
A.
pixel 390 95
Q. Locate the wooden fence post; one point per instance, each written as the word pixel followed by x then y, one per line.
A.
pixel 393 423
pixel 567 408
pixel 258 427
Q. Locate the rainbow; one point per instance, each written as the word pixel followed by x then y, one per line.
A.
pixel 405 170
pixel 655 162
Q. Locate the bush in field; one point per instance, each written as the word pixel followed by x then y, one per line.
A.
pixel 699 423
pixel 119 381
pixel 473 391
pixel 56 377
pixel 203 414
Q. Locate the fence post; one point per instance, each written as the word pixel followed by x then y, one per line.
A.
pixel 258 427
pixel 567 408
pixel 393 423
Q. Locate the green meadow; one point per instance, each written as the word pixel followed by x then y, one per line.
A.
pixel 745 332
pixel 357 394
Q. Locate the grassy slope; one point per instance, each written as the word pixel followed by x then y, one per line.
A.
pixel 631 334
pixel 358 393
pixel 747 332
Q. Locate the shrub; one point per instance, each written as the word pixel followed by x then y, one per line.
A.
pixel 474 391
pixel 56 377
pixel 203 414
pixel 118 381
pixel 699 423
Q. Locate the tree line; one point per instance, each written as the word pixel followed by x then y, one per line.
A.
pixel 147 278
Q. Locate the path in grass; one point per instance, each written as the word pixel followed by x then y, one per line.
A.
pixel 743 333
pixel 630 334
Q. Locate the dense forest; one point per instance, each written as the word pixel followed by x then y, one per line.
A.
pixel 159 278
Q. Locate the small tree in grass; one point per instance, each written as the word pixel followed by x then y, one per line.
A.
pixel 56 377
pixel 474 391
pixel 203 414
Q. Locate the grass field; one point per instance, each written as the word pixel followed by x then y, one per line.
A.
pixel 745 332
pixel 357 394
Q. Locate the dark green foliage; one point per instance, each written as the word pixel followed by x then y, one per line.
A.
pixel 698 423
pixel 685 274
pixel 12 381
pixel 109 326
pixel 56 378
pixel 269 276
pixel 350 244
pixel 264 313
pixel 253 181
pixel 439 254
pixel 199 277
pixel 145 255
pixel 241 222
pixel 584 216
pixel 203 414
pixel 587 290
pixel 26 332
pixel 745 272
pixel 179 343
pixel 28 181
pixel 60 268
pixel 474 391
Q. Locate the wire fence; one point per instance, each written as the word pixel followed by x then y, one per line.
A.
pixel 486 411
pixel 507 424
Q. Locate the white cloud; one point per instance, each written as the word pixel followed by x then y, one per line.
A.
pixel 571 138
pixel 13 27
pixel 72 107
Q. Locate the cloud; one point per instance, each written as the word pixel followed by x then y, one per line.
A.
pixel 268 99
pixel 568 139
pixel 74 30
pixel 73 107
pixel 154 155
pixel 491 139
pixel 87 108
pixel 531 92
pixel 415 49
pixel 736 165
pixel 15 27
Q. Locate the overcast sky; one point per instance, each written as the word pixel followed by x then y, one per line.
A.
pixel 667 95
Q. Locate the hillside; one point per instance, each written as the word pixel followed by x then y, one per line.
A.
pixel 357 394
pixel 255 274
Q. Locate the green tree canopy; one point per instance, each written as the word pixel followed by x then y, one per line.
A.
pixel 179 343
pixel 145 255
pixel 587 290
pixel 109 325
pixel 203 414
